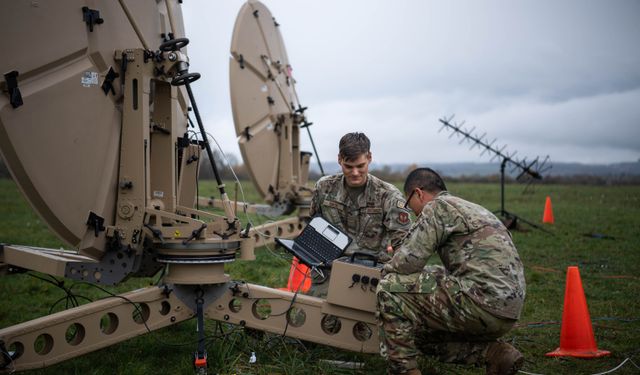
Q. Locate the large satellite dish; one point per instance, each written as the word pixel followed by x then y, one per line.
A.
pixel 60 119
pixel 266 111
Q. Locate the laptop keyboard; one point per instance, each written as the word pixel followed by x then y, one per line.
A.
pixel 313 243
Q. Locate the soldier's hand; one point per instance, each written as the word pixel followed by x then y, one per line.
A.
pixel 386 269
pixel 389 249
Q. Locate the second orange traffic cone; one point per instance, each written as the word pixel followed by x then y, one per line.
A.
pixel 576 333
pixel 547 217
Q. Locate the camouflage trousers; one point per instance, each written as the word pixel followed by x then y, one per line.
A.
pixel 427 313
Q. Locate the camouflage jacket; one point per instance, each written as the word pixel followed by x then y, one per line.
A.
pixel 475 248
pixel 377 220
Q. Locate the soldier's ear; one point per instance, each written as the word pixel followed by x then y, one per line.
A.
pixel 420 194
pixel 369 156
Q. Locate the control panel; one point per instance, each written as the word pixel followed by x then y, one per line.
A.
pixel 353 283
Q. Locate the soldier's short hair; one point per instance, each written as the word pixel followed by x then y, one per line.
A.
pixel 425 179
pixel 352 145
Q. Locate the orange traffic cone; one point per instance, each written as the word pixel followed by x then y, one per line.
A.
pixel 547 217
pixel 576 334
pixel 299 277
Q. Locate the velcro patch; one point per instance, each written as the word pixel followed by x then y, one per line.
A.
pixel 403 217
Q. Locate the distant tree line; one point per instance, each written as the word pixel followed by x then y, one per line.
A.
pixel 386 173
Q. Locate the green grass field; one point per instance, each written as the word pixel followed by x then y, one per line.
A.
pixel 609 268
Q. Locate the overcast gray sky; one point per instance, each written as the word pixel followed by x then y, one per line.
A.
pixel 557 78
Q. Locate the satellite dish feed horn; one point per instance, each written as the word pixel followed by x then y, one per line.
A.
pixel 264 105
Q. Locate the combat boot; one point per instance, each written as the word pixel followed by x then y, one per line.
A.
pixel 503 359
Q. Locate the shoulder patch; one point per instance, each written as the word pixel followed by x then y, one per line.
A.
pixel 403 218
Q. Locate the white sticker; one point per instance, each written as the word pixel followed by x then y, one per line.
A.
pixel 263 88
pixel 89 79
pixel 158 194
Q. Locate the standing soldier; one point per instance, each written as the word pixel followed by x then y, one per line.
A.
pixel 370 210
pixel 456 310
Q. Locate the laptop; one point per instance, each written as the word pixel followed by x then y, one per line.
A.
pixel 318 244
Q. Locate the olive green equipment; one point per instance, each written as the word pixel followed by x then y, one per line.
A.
pixel 94 127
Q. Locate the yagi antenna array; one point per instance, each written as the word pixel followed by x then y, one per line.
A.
pixel 530 170
pixel 533 169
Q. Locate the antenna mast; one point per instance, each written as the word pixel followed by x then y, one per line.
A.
pixel 529 170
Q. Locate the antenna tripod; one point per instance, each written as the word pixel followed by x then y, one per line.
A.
pixel 532 171
pixel 509 219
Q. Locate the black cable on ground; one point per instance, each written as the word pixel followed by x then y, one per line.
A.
pixel 70 297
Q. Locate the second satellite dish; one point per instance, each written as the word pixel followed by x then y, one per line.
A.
pixel 266 111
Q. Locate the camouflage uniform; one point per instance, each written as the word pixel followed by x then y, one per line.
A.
pixel 376 220
pixel 455 310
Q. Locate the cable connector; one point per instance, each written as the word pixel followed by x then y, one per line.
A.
pixel 355 278
pixel 200 362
